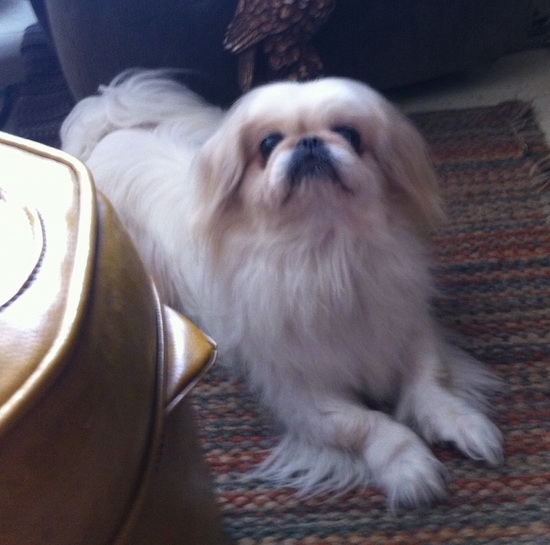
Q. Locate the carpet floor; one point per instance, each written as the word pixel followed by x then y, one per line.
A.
pixel 492 262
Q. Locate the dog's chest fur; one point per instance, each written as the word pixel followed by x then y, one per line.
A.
pixel 341 314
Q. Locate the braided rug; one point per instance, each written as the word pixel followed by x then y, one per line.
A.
pixel 492 261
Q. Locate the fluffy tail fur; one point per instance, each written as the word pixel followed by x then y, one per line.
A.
pixel 136 98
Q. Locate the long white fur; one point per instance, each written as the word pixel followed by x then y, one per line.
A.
pixel 323 302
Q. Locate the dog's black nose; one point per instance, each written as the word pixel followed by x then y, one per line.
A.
pixel 309 143
pixel 312 160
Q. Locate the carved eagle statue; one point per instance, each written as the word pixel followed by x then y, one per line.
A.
pixel 282 30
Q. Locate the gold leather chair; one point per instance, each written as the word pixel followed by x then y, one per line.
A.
pixel 97 441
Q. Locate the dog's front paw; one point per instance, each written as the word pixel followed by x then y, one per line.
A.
pixel 467 428
pixel 477 437
pixel 404 467
pixel 414 477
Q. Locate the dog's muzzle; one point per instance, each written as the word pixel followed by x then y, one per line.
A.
pixel 312 161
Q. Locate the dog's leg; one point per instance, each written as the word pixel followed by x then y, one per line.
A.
pixel 334 444
pixel 444 399
pixel 402 465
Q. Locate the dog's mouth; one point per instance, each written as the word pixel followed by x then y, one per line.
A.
pixel 312 163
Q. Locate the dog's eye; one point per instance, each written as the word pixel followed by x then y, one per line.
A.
pixel 269 143
pixel 351 135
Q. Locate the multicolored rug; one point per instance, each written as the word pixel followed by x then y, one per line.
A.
pixel 493 266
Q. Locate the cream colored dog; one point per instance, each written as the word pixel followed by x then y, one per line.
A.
pixel 293 229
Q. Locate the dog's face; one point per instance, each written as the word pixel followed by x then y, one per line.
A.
pixel 323 152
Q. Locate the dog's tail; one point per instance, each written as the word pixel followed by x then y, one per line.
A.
pixel 135 98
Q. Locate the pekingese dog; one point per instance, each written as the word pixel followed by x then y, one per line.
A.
pixel 294 229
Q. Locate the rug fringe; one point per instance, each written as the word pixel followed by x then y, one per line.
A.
pixel 521 123
pixel 540 178
pixel 521 114
pixel 539 174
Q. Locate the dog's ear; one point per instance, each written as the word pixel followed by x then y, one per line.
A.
pixel 404 157
pixel 220 168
